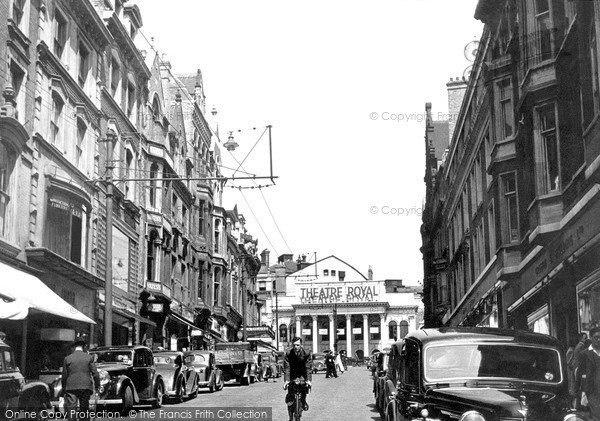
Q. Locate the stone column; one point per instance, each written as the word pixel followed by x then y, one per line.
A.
pixel 349 335
pixel 315 334
pixel 366 333
pixel 398 330
pixel 331 327
pixel 383 333
pixel 298 326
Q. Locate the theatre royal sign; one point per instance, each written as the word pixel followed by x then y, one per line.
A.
pixel 346 293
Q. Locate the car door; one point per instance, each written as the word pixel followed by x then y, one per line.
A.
pixel 141 374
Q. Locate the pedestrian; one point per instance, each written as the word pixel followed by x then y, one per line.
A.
pixel 589 367
pixel 297 364
pixel 581 346
pixel 77 373
pixel 330 364
pixel 338 364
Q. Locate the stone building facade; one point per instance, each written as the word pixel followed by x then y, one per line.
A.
pixel 510 236
pixel 310 300
pixel 85 97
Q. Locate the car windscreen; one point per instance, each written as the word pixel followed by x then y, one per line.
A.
pixel 474 361
pixel 119 357
pixel 164 359
pixel 200 359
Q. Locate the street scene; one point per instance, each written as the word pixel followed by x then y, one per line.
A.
pixel 253 210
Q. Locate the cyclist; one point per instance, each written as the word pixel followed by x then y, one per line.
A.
pixel 297 364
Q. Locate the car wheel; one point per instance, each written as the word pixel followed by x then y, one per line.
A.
pixel 127 400
pixel 244 381
pixel 160 391
pixel 252 379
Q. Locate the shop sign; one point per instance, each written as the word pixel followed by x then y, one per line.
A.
pixel 259 331
pixel 306 332
pixel 155 307
pixel 323 331
pixel 347 294
pixel 196 332
pixel 159 287
pixel 356 330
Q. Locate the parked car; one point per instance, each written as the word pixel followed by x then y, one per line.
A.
pixel 180 380
pixel 203 363
pixel 482 374
pixel 387 393
pixel 127 377
pixel 379 377
pixel 319 362
pixel 15 393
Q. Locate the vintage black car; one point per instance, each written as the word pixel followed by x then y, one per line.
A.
pixel 482 374
pixel 387 391
pixel 318 362
pixel 15 393
pixel 202 362
pixel 179 379
pixel 127 377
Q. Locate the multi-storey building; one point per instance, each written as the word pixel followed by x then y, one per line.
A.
pixel 109 176
pixel 517 240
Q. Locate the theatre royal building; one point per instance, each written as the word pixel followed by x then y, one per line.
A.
pixel 311 299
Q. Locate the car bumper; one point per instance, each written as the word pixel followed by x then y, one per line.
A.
pixel 117 401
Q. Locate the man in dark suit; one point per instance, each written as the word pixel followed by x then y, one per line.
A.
pixel 297 364
pixel 77 373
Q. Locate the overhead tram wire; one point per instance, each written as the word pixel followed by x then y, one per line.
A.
pixel 184 89
pixel 258 222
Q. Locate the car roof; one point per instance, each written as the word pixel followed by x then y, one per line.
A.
pixel 120 348
pixel 466 334
pixel 168 353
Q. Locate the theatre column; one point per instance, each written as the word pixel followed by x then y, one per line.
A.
pixel 383 333
pixel 315 334
pixel 366 333
pixel 298 326
pixel 331 332
pixel 349 335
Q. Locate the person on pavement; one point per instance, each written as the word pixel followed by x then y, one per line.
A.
pixel 589 367
pixel 77 373
pixel 330 364
pixel 297 364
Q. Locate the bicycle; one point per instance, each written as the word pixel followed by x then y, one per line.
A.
pixel 298 386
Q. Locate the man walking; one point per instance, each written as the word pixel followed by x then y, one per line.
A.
pixel 77 373
pixel 297 364
pixel 589 367
pixel 330 363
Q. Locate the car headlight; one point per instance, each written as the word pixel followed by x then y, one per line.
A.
pixel 472 416
pixel 574 417
pixel 104 380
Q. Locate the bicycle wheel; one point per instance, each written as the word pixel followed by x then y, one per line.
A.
pixel 298 408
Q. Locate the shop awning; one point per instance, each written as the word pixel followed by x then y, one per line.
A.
pixel 24 293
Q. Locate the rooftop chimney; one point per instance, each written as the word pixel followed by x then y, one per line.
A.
pixel 370 274
pixel 264 257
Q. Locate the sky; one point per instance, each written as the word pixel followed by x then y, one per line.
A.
pixel 343 85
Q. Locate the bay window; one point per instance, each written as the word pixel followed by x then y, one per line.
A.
pixel 547 149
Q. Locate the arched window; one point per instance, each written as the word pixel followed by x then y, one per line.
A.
pixel 283 329
pixel 7 166
pixel 129 173
pixel 403 328
pixel 341 333
pixel 358 325
pixel 375 330
pixel 324 327
pixel 153 175
pixel 156 111
pixel 151 259
pixel 392 330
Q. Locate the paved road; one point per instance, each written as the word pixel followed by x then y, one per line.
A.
pixel 349 397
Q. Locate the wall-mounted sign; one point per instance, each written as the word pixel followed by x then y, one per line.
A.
pixel 357 330
pixel 374 329
pixel 347 294
pixel 340 331
pixel 155 307
pixel 323 331
pixel 306 331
